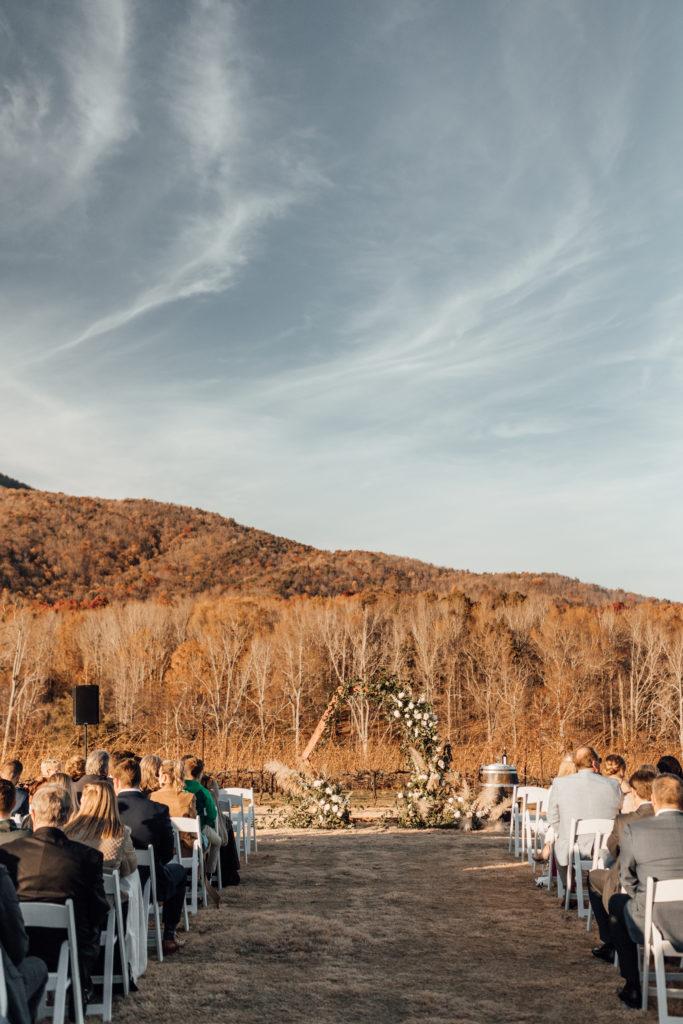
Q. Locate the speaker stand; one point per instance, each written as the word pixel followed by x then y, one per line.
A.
pixel 85 737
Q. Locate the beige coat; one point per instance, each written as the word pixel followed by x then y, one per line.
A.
pixel 180 805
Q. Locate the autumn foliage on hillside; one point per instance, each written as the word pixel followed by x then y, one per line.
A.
pixel 250 676
pixel 57 549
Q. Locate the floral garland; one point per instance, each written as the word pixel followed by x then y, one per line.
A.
pixel 430 798
pixel 312 802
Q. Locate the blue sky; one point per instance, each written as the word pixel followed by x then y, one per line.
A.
pixel 400 275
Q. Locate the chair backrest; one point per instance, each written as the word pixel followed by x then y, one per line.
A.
pixel 193 825
pixel 146 860
pixel 246 794
pixel 60 917
pixel 3 988
pixel 668 891
pixel 593 826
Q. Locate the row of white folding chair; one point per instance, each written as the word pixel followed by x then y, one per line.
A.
pixel 577 863
pixel 231 804
pixel 535 824
pixel 655 945
pixel 58 917
pixel 248 814
pixel 523 798
pixel 194 863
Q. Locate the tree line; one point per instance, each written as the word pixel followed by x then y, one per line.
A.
pixel 248 678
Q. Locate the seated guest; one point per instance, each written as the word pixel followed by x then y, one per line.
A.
pixel 587 794
pixel 48 767
pixel 47 866
pixel 614 767
pixel 64 780
pixel 565 767
pixel 650 848
pixel 670 765
pixel 8 827
pixel 604 882
pixel 229 857
pixel 173 794
pixel 96 770
pixel 98 824
pixel 11 770
pixel 150 825
pixel 208 812
pixel 149 774
pixel 25 976
pixel 75 767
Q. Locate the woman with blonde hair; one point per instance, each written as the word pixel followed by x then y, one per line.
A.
pixel 66 782
pixel 180 803
pixel 149 774
pixel 614 767
pixel 99 825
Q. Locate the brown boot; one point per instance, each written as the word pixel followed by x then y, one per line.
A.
pixel 169 947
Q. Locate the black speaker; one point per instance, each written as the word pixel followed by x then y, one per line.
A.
pixel 86 705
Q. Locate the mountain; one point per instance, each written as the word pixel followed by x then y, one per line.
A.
pixel 56 547
pixel 7 481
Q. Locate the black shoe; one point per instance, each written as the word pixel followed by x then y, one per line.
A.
pixel 604 952
pixel 631 995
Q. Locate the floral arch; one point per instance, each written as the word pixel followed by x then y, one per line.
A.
pixel 430 798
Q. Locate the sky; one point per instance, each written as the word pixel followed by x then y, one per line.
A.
pixel 403 275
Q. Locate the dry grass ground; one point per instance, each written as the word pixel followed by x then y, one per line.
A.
pixel 382 927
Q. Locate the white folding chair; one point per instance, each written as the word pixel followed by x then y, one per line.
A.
pixel 521 796
pixel 248 809
pixel 577 862
pixel 58 917
pixel 231 801
pixel 179 860
pixel 3 989
pixel 149 898
pixel 195 863
pixel 112 936
pixel 535 807
pixel 668 891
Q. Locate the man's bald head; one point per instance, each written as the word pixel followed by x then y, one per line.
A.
pixel 586 757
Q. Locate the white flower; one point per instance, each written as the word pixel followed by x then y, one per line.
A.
pixel 329 791
pixel 339 813
pixel 326 808
pixel 400 795
pixel 460 800
pixel 441 764
pixel 402 694
pixel 457 815
pixel 397 714
pixel 425 718
pixel 423 777
pixel 450 799
pixel 411 706
pixel 318 783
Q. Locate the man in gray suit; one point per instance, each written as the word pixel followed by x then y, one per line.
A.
pixel 587 794
pixel 650 848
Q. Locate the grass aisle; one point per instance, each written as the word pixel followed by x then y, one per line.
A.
pixel 381 928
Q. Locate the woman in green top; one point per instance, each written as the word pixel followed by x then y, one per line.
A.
pixel 207 810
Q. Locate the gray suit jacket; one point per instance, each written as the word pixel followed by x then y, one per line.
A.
pixel 583 795
pixel 652 848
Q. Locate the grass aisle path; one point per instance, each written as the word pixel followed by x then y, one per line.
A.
pixel 430 928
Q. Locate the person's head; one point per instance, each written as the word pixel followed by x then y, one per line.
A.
pixel 75 767
pixel 149 772
pixel 65 780
pixel 641 782
pixel 567 766
pixel 669 765
pixel 50 806
pixel 586 757
pixel 194 767
pixel 122 755
pixel 667 793
pixel 8 795
pixel 614 765
pixel 126 774
pixel 98 816
pixel 171 775
pixel 11 770
pixel 97 764
pixel 49 766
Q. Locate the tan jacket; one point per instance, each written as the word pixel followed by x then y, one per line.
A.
pixel 180 805
pixel 116 853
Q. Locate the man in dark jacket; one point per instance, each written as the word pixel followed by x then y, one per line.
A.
pixel 11 770
pixel 25 976
pixel 47 867
pixel 150 825
pixel 8 828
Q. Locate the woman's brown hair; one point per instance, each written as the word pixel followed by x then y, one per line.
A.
pixel 98 816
